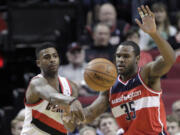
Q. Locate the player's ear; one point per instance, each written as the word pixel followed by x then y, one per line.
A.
pixel 137 59
pixel 38 63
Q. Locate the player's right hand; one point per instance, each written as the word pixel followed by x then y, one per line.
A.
pixel 77 111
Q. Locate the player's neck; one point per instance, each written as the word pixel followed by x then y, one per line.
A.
pixel 50 76
pixel 129 75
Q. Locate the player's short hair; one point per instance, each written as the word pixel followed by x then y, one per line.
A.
pixel 134 45
pixel 43 46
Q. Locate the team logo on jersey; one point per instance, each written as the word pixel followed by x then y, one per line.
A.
pixel 54 108
pixel 127 97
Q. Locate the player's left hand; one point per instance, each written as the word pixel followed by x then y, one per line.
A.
pixel 148 24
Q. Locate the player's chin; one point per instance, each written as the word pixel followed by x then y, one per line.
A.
pixel 53 71
pixel 121 71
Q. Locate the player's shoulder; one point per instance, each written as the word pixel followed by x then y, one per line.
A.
pixel 38 80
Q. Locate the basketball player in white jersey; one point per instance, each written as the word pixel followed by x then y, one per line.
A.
pixel 48 96
pixel 136 97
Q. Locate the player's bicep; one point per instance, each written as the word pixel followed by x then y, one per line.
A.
pixel 40 88
pixel 158 67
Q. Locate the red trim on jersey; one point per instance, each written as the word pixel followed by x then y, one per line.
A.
pixel 69 86
pixel 48 121
pixel 126 82
pixel 147 87
pixel 60 85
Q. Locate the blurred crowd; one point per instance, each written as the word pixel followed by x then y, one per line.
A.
pixel 95 31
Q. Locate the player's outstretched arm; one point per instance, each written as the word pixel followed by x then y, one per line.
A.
pixel 40 88
pixel 99 106
pixel 161 65
pixel 72 107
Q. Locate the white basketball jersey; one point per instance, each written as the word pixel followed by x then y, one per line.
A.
pixel 43 118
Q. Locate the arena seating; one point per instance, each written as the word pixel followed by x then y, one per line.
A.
pixel 174 71
pixel 170 89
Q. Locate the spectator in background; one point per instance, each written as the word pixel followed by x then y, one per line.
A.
pixel 176 110
pixel 163 26
pixel 173 125
pixel 175 40
pixel 17 123
pixel 87 130
pixel 107 15
pixel 100 47
pixel 107 125
pixel 133 35
pixel 75 69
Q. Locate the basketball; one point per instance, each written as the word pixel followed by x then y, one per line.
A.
pixel 100 74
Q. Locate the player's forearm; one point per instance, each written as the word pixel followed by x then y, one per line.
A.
pixel 165 48
pixel 98 107
pixel 60 99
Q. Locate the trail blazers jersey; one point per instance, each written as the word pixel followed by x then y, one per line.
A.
pixel 138 109
pixel 43 118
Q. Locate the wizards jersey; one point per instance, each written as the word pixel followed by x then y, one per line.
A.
pixel 138 109
pixel 44 118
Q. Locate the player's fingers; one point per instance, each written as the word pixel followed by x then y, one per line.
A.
pixel 140 12
pixel 144 10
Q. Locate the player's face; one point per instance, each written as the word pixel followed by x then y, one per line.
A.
pixel 126 61
pixel 108 126
pixel 48 60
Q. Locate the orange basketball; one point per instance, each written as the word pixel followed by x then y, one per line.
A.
pixel 100 74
